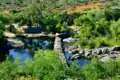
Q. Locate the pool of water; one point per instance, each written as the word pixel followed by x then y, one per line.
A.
pixel 31 45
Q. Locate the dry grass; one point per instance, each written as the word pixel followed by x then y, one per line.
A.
pixel 82 8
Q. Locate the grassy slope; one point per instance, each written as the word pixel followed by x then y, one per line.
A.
pixel 84 7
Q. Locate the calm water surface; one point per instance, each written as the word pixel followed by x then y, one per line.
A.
pixel 32 45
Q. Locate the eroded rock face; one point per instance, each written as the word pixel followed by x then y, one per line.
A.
pixel 111 52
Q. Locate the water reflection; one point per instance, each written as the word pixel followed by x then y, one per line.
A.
pixel 4 50
pixel 22 55
pixel 31 45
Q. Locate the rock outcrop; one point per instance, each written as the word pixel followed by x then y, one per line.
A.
pixel 15 43
pixel 111 52
pixel 38 35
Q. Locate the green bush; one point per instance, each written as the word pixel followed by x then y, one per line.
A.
pixel 97 29
pixel 5 18
pixel 2 37
pixel 47 66
pixel 97 70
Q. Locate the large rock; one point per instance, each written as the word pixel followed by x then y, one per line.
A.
pixel 70 39
pixel 116 48
pixel 9 34
pixel 15 43
pixel 88 52
pixel 82 52
pixel 106 59
pixel 76 56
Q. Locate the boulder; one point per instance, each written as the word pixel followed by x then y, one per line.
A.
pixel 88 52
pixel 105 50
pixel 75 56
pixel 116 48
pixel 101 53
pixel 81 52
pixel 96 51
pixel 106 59
pixel 114 52
pixel 70 39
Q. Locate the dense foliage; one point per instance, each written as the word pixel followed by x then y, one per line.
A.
pixel 57 22
pixel 14 2
pixel 4 19
pixel 98 28
pixel 47 66
pixel 2 39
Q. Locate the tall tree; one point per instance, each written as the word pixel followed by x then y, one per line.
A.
pixel 37 10
pixel 116 3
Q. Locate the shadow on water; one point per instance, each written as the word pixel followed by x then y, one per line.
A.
pixel 4 51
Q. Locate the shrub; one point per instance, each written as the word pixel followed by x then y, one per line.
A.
pixel 2 37
pixel 4 18
pixel 97 29
pixel 45 66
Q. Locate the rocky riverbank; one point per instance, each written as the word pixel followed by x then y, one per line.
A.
pixel 101 53
pixel 15 43
pixel 38 35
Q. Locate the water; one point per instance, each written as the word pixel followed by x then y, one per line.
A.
pixel 31 45
pixel 80 61
pixel 22 55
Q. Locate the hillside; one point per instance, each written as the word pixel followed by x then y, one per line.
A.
pixel 87 7
pixel 13 4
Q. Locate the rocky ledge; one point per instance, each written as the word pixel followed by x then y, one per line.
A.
pixel 15 43
pixel 111 52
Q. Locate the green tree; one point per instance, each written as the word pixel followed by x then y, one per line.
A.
pixel 2 37
pixel 116 3
pixel 37 11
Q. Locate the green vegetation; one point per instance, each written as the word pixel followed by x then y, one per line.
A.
pixel 2 39
pixel 15 2
pixel 97 28
pixel 47 66
pixel 96 70
pixel 4 19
